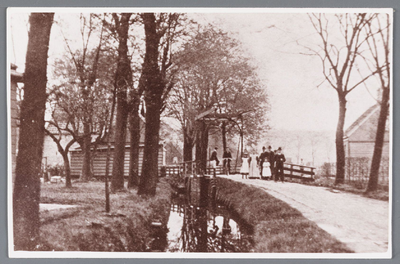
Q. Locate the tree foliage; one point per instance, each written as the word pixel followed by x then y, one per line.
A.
pixel 81 97
pixel 214 72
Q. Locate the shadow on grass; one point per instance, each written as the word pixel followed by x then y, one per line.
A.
pixel 89 228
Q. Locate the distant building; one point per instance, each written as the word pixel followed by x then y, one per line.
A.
pixel 359 139
pixel 99 161
pixel 359 143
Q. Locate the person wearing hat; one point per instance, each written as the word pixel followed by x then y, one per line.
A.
pixel 214 159
pixel 270 156
pixel 279 160
pixel 227 157
pixel 261 160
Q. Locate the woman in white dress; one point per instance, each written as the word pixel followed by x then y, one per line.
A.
pixel 254 170
pixel 266 171
pixel 244 170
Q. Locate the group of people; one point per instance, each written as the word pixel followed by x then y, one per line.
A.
pixel 227 157
pixel 267 165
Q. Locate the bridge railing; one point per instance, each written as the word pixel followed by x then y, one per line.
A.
pixel 296 171
pixel 188 168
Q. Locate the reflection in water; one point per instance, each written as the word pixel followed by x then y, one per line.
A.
pixel 205 229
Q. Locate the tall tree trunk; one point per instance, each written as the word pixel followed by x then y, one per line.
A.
pixel 340 153
pixel 67 169
pixel 223 128
pixel 26 193
pixel 86 168
pixel 154 87
pixel 149 175
pixel 134 123
pixel 201 146
pixel 187 146
pixel 379 141
pixel 123 80
pixel 117 181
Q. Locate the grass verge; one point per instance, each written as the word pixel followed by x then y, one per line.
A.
pixel 89 228
pixel 329 182
pixel 277 226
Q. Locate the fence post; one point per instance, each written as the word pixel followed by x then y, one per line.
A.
pixel 291 171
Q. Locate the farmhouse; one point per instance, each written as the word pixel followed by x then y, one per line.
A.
pixel 359 142
pixel 359 139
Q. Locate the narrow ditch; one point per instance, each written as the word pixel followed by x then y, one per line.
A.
pixel 196 226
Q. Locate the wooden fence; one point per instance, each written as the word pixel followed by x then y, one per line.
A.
pixel 305 173
pixel 357 171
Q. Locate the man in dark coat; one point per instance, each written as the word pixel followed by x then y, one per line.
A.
pixel 261 160
pixel 227 160
pixel 214 156
pixel 271 159
pixel 279 160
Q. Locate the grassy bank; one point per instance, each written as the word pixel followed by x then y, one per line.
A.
pixel 88 228
pixel 277 226
pixel 329 182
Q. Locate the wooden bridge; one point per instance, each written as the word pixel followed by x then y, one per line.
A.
pixel 295 171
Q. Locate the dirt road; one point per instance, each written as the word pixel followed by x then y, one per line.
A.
pixel 361 223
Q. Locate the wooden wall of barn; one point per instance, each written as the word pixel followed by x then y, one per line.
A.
pixel 99 162
pixel 364 149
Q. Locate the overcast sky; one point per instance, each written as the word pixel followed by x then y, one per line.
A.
pixel 271 39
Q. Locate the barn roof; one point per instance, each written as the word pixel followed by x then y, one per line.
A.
pixel 104 146
pixel 16 76
pixel 361 119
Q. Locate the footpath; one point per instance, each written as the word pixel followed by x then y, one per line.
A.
pixel 359 222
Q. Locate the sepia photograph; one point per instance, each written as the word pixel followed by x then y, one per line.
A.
pixel 181 132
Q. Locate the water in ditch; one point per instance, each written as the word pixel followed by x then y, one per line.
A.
pixel 210 228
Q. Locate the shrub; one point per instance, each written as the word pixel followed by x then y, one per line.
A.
pixel 57 169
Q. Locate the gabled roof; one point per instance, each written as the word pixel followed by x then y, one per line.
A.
pixel 361 119
pixel 16 76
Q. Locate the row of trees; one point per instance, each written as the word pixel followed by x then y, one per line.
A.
pixel 177 69
pixel 164 62
pixel 363 41
pixel 82 102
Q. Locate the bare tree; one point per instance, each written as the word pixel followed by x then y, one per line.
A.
pixel 64 150
pixel 339 60
pixel 26 193
pixel 315 140
pixel 379 47
pixel 84 74
pixel 135 131
pixel 299 145
pixel 123 83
